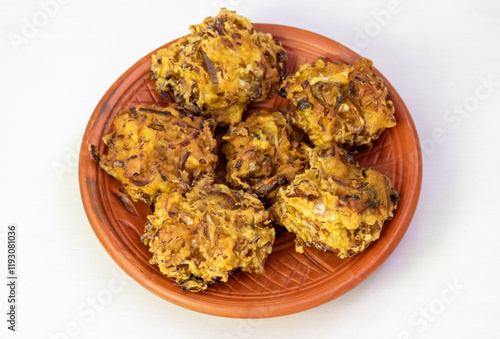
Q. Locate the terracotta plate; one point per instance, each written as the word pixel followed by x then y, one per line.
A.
pixel 293 282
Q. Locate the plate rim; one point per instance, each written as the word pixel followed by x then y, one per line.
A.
pixel 198 302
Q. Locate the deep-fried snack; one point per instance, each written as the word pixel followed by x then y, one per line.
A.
pixel 154 149
pixel 345 104
pixel 263 153
pixel 336 205
pixel 221 67
pixel 202 236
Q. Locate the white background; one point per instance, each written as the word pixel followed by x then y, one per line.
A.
pixel 436 54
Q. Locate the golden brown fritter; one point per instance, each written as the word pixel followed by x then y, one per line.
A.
pixel 221 67
pixel 345 104
pixel 202 236
pixel 154 149
pixel 336 205
pixel 263 153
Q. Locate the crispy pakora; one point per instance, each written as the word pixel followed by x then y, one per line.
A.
pixel 153 149
pixel 222 66
pixel 336 205
pixel 263 153
pixel 201 236
pixel 339 103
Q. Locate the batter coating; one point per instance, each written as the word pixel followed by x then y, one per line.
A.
pixel 263 153
pixel 345 104
pixel 336 205
pixel 154 149
pixel 221 67
pixel 201 237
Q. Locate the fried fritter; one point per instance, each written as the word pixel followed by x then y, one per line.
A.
pixel 345 104
pixel 263 153
pixel 221 67
pixel 336 205
pixel 202 236
pixel 154 149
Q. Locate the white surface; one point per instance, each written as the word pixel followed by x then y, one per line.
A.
pixel 434 53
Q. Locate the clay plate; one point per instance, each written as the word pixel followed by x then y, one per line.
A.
pixel 293 282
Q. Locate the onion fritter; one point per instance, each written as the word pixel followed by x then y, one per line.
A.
pixel 336 205
pixel 221 67
pixel 202 236
pixel 345 104
pixel 155 149
pixel 263 153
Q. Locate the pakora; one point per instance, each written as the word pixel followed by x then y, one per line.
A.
pixel 201 236
pixel 263 153
pixel 336 205
pixel 221 67
pixel 153 149
pixel 339 103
